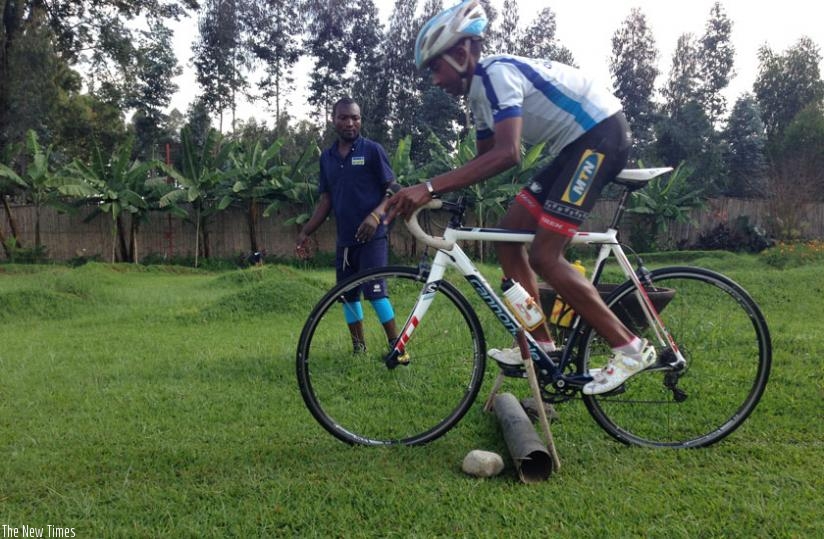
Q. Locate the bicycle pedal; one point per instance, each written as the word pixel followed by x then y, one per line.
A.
pixel 512 372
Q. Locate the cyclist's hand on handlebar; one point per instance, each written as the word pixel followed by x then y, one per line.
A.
pixel 405 202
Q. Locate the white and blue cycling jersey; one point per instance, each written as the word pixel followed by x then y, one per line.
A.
pixel 557 103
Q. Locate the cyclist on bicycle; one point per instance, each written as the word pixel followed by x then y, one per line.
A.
pixel 514 98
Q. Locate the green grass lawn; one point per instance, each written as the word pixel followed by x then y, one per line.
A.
pixel 162 402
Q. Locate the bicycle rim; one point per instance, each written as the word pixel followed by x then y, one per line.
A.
pixel 724 337
pixel 358 399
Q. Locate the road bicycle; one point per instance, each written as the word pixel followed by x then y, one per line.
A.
pixel 713 344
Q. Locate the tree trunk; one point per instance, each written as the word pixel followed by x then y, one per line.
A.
pixel 121 239
pixel 36 226
pixel 135 228
pixel 197 235
pixel 12 222
pixel 3 243
pixel 253 222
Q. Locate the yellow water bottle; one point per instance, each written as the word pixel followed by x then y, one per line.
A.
pixel 562 312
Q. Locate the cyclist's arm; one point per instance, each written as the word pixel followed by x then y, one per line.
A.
pixel 484 145
pixel 495 155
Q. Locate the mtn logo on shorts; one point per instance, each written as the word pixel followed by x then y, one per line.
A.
pixel 359 160
pixel 578 188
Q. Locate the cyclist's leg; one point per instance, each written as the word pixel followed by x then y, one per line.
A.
pixel 514 263
pixel 567 193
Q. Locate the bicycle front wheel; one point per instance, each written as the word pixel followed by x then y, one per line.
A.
pixel 723 336
pixel 357 398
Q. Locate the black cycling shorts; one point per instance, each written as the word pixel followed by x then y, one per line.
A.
pixel 562 194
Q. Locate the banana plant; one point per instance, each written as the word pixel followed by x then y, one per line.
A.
pixel 295 186
pixel 254 170
pixel 41 183
pixel 665 200
pixel 197 183
pixel 118 185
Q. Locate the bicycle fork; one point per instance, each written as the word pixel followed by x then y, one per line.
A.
pixel 422 304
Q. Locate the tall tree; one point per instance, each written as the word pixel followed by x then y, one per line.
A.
pixel 152 88
pixel 329 25
pixel 683 82
pixel 272 28
pixel 633 67
pixel 746 143
pixel 77 30
pixel 716 58
pixel 507 37
pixel 787 83
pixel 220 61
pixel 370 85
pixel 538 40
pixel 405 81
pixel 689 137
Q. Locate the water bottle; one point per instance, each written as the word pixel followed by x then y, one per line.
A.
pixel 522 305
pixel 562 313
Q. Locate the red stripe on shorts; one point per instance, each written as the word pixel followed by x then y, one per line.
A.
pixel 553 224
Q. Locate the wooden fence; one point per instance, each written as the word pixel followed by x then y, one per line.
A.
pixel 66 236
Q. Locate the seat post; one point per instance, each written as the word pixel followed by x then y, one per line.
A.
pixel 622 207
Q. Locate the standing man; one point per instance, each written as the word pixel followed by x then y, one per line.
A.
pixel 514 98
pixel 355 181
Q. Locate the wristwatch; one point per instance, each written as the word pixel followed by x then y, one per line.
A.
pixel 430 188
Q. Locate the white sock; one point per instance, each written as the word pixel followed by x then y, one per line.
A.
pixel 546 346
pixel 632 348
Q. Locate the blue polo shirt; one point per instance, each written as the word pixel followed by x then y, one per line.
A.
pixel 356 185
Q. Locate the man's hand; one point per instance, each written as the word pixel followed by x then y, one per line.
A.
pixel 300 247
pixel 406 201
pixel 367 228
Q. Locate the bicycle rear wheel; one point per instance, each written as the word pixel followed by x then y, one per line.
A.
pixel 357 398
pixel 724 338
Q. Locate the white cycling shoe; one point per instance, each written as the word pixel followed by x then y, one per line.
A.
pixel 619 368
pixel 511 357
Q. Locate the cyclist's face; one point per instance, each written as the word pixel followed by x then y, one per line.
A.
pixel 348 122
pixel 445 77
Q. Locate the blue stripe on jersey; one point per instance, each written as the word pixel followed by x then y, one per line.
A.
pixel 510 112
pixel 488 89
pixel 553 94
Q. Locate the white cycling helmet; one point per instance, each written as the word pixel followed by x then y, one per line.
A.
pixel 447 28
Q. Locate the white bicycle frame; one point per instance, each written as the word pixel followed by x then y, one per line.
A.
pixel 450 254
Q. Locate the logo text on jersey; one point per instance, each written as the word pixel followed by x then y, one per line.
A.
pixel 576 191
pixel 360 160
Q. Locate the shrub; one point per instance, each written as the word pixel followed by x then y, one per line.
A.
pixel 740 237
pixel 794 254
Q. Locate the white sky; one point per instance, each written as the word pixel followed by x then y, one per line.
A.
pixel 586 28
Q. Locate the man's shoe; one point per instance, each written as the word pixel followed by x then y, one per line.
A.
pixel 358 347
pixel 618 369
pixel 507 357
pixel 511 357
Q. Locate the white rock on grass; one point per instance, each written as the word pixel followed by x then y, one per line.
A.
pixel 482 463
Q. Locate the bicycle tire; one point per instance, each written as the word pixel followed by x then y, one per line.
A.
pixel 358 399
pixel 725 339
